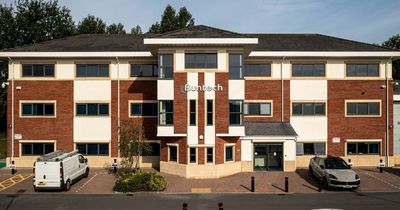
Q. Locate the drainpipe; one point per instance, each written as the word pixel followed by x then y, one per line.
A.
pixel 12 111
pixel 118 102
pixel 282 93
pixel 387 136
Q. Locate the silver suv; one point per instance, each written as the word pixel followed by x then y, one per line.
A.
pixel 333 172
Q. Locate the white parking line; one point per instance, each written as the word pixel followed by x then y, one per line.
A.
pixel 382 180
pixel 87 182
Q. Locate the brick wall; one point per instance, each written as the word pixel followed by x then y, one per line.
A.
pixel 220 148
pixel 200 108
pixel 222 104
pixel 182 153
pixel 180 103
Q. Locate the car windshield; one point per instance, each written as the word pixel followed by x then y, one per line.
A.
pixel 334 163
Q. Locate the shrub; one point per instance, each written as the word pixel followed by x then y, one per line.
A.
pixel 140 181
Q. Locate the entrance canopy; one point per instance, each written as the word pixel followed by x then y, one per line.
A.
pixel 269 129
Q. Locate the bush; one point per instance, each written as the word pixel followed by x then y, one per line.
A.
pixel 3 148
pixel 140 181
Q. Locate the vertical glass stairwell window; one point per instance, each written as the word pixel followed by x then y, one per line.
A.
pixel 165 114
pixel 166 66
pixel 235 66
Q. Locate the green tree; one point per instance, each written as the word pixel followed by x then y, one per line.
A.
pixel 116 29
pixel 91 25
pixel 394 43
pixel 8 27
pixel 171 21
pixel 136 30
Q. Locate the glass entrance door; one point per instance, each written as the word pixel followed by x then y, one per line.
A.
pixel 268 157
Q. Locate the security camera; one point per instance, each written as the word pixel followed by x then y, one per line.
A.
pixel 4 84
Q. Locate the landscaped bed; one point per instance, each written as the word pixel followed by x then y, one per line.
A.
pixel 139 180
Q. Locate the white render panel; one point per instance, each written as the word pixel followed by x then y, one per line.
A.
pixel 192 135
pixel 65 69
pixel 92 90
pixel 236 90
pixel 209 80
pixel 165 89
pixel 179 60
pixel 92 129
pixel 17 70
pixel 124 69
pixel 209 135
pixel 287 70
pixel 289 150
pixel 310 128
pixel 222 60
pixel 306 90
pixel 247 150
pixel 334 69
pixel 192 80
pixel 276 69
pixel 236 131
pixel 167 131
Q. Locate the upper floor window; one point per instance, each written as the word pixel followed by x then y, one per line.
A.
pixel 166 66
pixel 166 112
pixel 144 70
pixel 308 70
pixel 144 109
pixel 308 109
pixel 92 70
pixel 192 112
pixel 363 108
pixel 201 60
pixel 235 66
pixel 38 70
pixel 210 112
pixel 362 70
pixel 92 109
pixel 235 112
pixel 257 109
pixel 257 70
pixel 38 109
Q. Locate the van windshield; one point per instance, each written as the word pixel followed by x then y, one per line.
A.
pixel 336 163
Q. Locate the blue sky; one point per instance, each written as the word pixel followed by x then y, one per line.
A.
pixel 370 21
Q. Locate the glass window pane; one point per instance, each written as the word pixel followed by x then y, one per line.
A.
pixel 155 70
pixel 27 109
pixel 38 109
pixel 27 70
pixel 49 109
pixel 319 109
pixel 166 59
pixel 173 154
pixel 299 149
pixel 48 148
pixel 103 149
pixel 309 149
pixel 155 149
pixel 362 108
pixel 147 70
pixel 374 148
pixel 211 60
pixel 49 70
pixel 38 149
pixel 148 109
pixel 235 73
pixel 308 109
pixel 351 109
pixel 229 153
pixel 136 109
pixel 351 70
pixel 319 148
pixel 80 70
pixel 319 70
pixel 373 70
pixel 26 149
pixel 103 109
pixel 81 148
pixel 38 70
pixel 374 109
pixel 362 69
pixel 135 70
pixel 92 149
pixel 297 109
pixel 103 70
pixel 81 109
pixel 307 70
pixel 351 148
pixel 210 155
pixel 92 70
pixel 192 155
pixel 92 109
pixel 254 109
pixel 189 60
pixel 296 70
pixel 169 119
pixel 168 72
pixel 265 109
pixel 235 106
pixel 200 60
pixel 362 148
pixel 235 60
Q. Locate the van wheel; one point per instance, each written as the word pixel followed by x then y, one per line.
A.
pixel 68 185
pixel 86 175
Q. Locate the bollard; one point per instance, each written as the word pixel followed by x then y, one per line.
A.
pixel 220 206
pixel 320 185
pixel 114 166
pixel 286 184
pixel 252 184
pixel 185 206
pixel 380 166
pixel 350 163
pixel 12 167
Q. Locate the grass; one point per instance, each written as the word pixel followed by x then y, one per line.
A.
pixel 3 144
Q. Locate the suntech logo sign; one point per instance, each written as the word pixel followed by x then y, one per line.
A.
pixel 201 88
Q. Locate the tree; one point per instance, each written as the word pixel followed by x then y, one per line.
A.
pixel 91 25
pixel 394 43
pixel 132 143
pixel 116 29
pixel 136 30
pixel 171 21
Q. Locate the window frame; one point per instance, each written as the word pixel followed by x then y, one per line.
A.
pixel 166 113
pixel 161 66
pixel 196 151
pixel 205 54
pixel 169 153
pixel 257 64
pixel 131 102
pixel 363 142
pixel 87 109
pixel 98 71
pixel 153 142
pixel 314 153
pixel 154 67
pixel 208 112
pixel 44 102
pixel 21 146
pixel 206 155
pixel 44 70
pixel 233 153
pixel 362 63
pixel 192 113
pixel 246 105
pixel 346 102
pixel 292 103
pixel 98 148
pixel 241 113
pixel 240 66
pixel 307 63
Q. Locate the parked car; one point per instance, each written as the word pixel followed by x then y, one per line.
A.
pixel 333 172
pixel 59 170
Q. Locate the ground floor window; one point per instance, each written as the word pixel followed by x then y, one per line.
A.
pixel 93 149
pixel 363 148
pixel 310 149
pixel 36 148
pixel 154 151
pixel 192 155
pixel 210 155
pixel 173 153
pixel 229 153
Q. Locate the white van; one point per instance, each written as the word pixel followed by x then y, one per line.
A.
pixel 58 170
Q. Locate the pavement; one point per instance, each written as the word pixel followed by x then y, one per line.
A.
pixel 101 181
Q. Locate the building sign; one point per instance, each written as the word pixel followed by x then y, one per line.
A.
pixel 336 140
pixel 17 136
pixel 197 88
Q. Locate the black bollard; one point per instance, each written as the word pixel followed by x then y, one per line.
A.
pixel 12 167
pixel 185 206
pixel 220 206
pixel 252 184
pixel 114 165
pixel 286 184
pixel 380 166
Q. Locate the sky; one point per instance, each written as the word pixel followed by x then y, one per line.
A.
pixel 371 21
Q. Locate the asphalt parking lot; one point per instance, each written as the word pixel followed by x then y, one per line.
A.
pixel 101 181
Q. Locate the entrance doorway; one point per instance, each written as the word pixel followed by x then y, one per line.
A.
pixel 268 157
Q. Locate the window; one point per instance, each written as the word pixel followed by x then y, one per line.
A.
pixel 93 149
pixel 210 155
pixel 308 109
pixel 38 109
pixel 201 60
pixel 257 109
pixel 310 148
pixel 210 115
pixel 166 68
pixel 363 148
pixel 362 70
pixel 228 153
pixel 92 70
pixel 235 66
pixel 36 148
pixel 173 153
pixel 308 70
pixel 257 70
pixel 166 113
pixel 38 70
pixel 144 109
pixel 144 70
pixel 363 108
pixel 155 150
pixel 192 155
pixel 92 109
pixel 235 112
pixel 192 113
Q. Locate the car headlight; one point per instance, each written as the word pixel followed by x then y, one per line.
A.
pixel 332 176
pixel 357 177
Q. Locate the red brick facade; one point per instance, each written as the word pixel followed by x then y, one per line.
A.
pixel 180 104
pixel 221 104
